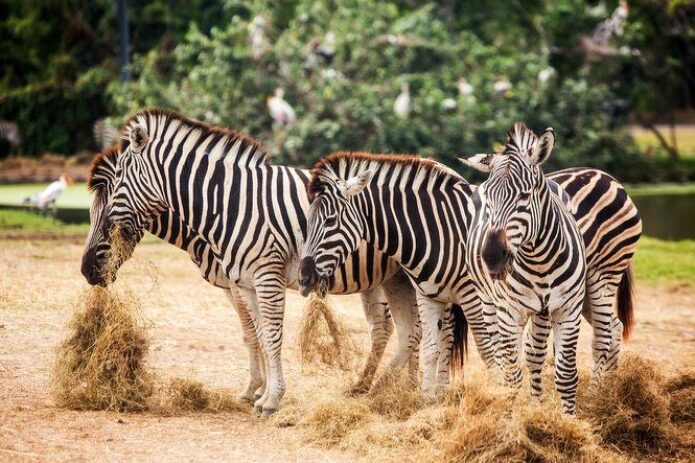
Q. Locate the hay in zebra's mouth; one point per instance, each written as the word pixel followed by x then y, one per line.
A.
pixel 101 365
pixel 324 339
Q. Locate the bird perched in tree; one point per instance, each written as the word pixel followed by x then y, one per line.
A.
pixel 465 89
pixel 10 131
pixel 319 50
pixel 257 36
pixel 502 85
pixel 51 194
pixel 545 75
pixel 279 109
pixel 599 45
pixel 402 105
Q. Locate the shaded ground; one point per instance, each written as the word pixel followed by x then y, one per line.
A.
pixel 195 334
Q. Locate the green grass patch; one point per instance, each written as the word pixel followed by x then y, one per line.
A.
pixel 685 140
pixel 76 196
pixel 24 223
pixel 662 189
pixel 670 263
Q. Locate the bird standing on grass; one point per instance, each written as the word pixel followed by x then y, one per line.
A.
pixel 280 110
pixel 50 195
pixel 402 105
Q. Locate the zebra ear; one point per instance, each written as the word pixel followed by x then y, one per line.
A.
pixel 138 138
pixel 481 162
pixel 543 147
pixel 356 184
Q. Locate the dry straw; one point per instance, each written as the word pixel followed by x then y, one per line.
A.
pixel 194 396
pixel 101 365
pixel 324 339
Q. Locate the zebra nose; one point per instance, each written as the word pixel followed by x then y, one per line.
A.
pixel 496 253
pixel 307 275
pixel 89 268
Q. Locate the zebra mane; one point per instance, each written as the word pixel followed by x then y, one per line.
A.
pixel 520 139
pixel 344 164
pixel 251 152
pixel 101 160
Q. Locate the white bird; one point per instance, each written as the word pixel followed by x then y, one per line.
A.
pixel 545 75
pixel 280 110
pixel 51 193
pixel 465 88
pixel 257 36
pixel 502 86
pixel 402 104
pixel 449 103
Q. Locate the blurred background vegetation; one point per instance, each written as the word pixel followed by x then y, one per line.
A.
pixel 523 60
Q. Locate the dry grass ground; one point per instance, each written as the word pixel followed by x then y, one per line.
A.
pixel 194 334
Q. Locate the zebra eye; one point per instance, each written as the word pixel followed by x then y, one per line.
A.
pixel 330 221
pixel 524 196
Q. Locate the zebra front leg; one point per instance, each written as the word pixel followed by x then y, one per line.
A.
pixel 511 326
pixel 251 341
pixel 401 301
pixel 536 347
pixel 566 334
pixel 380 325
pixel 431 313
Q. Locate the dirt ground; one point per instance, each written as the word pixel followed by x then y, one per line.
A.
pixel 195 334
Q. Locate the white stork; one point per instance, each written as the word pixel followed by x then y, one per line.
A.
pixel 51 193
pixel 465 88
pixel 279 109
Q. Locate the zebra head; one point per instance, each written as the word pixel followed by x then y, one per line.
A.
pixel 335 227
pixel 137 190
pixel 97 251
pixel 510 195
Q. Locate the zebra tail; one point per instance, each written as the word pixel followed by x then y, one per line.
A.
pixel 459 349
pixel 625 302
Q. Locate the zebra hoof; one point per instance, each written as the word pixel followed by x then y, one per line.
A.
pixel 266 412
pixel 357 389
pixel 258 410
pixel 246 399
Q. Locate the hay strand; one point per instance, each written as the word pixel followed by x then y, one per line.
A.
pixel 323 339
pixel 193 396
pixel 101 365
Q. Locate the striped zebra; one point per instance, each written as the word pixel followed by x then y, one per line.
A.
pixel 250 217
pixel 608 218
pixel 10 131
pixel 526 255
pixel 105 134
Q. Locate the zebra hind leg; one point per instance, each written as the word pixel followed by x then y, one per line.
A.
pixel 607 329
pixel 380 324
pixel 536 348
pixel 401 302
pixel 431 313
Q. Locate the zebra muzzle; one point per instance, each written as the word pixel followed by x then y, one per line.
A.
pixel 308 276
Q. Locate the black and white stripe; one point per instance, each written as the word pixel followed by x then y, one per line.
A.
pixel 250 216
pixel 526 256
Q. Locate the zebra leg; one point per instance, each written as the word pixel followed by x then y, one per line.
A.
pixel 251 341
pixel 605 345
pixel 446 343
pixel 270 299
pixel 511 326
pixel 565 335
pixel 414 361
pixel 401 301
pixel 483 331
pixel 380 325
pixel 536 347
pixel 431 313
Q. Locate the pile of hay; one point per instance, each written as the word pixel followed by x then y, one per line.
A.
pixel 632 415
pixel 324 339
pixel 101 365
pixel 193 396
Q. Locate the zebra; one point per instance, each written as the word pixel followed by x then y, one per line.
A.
pixel 252 218
pixel 609 220
pixel 526 254
pixel 105 134
pixel 10 131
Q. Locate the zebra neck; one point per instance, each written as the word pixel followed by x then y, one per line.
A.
pixel 417 226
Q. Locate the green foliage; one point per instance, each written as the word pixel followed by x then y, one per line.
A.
pixel 196 57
